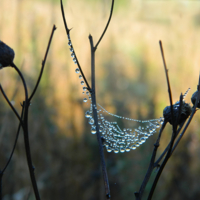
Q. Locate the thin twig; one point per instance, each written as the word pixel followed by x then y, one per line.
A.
pixel 191 116
pixel 169 152
pixel 15 142
pixel 10 104
pixel 168 84
pixel 43 64
pixel 26 104
pixel 139 194
pixel 68 35
pixel 167 148
pixel 94 107
pixel 111 11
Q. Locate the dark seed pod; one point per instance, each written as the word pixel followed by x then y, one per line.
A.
pixel 6 55
pixel 193 99
pixel 185 112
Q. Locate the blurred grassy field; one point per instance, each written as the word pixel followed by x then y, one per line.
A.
pixel 130 81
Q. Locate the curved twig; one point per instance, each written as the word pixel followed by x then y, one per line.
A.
pixel 10 104
pixel 68 35
pixel 43 64
pixel 23 81
pixel 16 138
pixel 111 11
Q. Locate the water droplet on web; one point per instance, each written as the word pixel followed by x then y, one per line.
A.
pixel 142 139
pixel 69 43
pixel 88 114
pixel 84 88
pixel 93 130
pixel 137 144
pixel 80 76
pixel 109 150
pixel 77 70
pixel 85 100
pixel 116 150
pixel 133 147
pixel 71 49
pixel 122 141
pixel 127 149
pixel 72 55
pixel 91 121
pixel 122 150
pixel 82 82
pixel 74 59
pixel 101 129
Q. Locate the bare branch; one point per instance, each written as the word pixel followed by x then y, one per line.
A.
pixel 111 11
pixel 105 176
pixel 43 64
pixel 10 104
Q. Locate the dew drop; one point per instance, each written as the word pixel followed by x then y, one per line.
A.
pixel 101 129
pixel 122 150
pixel 82 82
pixel 157 125
pixel 85 100
pixel 109 150
pixel 71 49
pixel 142 139
pixel 84 88
pixel 69 43
pixel 116 150
pixel 91 121
pixel 161 121
pixel 93 130
pixel 87 114
pixel 150 130
pixel 133 147
pixel 77 70
pixel 128 149
pixel 80 76
pixel 72 55
pixel 74 59
pixel 137 144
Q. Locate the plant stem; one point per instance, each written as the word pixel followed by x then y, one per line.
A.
pixel 94 107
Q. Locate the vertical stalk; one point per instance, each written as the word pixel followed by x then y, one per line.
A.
pixel 26 104
pixel 28 151
pixel 94 107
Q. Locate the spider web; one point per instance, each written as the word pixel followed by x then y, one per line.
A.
pixel 121 140
pixel 115 138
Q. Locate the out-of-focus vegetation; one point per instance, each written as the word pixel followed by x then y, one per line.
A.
pixel 130 82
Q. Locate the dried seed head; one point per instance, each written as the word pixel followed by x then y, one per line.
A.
pixel 185 112
pixel 6 55
pixel 194 98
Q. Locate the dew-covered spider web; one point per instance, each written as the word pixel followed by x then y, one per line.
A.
pixel 119 133
pixel 118 139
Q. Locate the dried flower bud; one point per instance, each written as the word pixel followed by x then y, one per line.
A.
pixel 193 99
pixel 185 112
pixel 6 55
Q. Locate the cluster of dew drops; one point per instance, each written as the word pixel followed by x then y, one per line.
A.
pixel 115 139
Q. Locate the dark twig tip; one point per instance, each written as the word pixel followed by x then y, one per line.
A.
pixel 54 27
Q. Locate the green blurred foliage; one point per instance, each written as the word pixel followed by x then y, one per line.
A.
pixel 130 81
